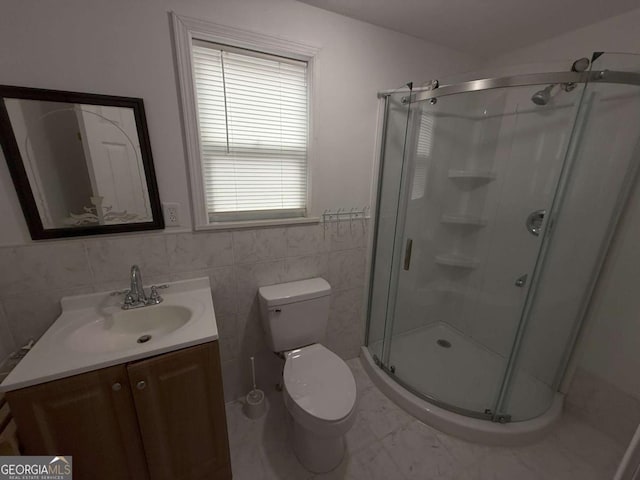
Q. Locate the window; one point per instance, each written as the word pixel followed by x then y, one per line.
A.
pixel 253 122
pixel 245 102
pixel 423 154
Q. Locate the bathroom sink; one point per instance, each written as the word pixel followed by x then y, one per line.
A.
pixel 94 332
pixel 126 328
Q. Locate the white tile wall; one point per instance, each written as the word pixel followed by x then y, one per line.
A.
pixel 603 406
pixel 108 258
pixel 7 344
pixel 188 252
pixel 35 277
pixel 251 246
pixel 43 268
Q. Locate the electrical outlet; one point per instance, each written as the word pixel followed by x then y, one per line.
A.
pixel 171 214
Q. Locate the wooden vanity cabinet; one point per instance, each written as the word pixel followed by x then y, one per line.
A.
pixel 180 405
pixel 158 418
pixel 85 417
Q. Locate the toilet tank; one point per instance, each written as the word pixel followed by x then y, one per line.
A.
pixel 295 314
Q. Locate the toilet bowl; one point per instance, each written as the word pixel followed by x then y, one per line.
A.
pixel 320 394
pixel 318 387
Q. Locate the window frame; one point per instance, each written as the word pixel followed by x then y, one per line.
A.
pixel 185 31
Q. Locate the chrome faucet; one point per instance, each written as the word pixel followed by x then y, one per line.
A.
pixel 136 296
pixel 137 289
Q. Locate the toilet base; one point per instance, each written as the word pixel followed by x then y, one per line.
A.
pixel 317 454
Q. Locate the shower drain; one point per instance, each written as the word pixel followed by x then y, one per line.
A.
pixel 444 343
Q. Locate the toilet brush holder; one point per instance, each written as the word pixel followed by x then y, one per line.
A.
pixel 255 404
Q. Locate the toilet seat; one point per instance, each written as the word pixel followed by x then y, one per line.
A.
pixel 320 391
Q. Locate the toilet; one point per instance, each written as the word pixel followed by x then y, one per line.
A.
pixel 318 387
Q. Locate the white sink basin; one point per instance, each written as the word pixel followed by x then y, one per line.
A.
pixel 126 328
pixel 94 332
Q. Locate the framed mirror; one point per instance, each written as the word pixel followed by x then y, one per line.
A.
pixel 81 163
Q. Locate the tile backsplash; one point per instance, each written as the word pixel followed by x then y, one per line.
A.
pixel 35 278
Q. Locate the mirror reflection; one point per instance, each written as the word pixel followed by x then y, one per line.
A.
pixel 83 162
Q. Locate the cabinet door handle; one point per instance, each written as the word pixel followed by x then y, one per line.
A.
pixel 116 387
pixel 141 385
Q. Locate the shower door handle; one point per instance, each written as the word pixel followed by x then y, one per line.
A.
pixel 534 222
pixel 407 254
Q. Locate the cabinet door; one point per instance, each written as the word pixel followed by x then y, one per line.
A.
pixel 89 416
pixel 180 406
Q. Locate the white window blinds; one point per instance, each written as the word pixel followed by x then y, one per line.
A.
pixel 423 154
pixel 253 120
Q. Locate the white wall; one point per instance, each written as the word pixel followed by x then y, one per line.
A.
pixel 123 47
pixel 615 34
pixel 610 347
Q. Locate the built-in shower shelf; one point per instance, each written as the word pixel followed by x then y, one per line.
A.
pixel 479 176
pixel 454 260
pixel 468 220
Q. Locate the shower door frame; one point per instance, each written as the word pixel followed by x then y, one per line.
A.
pixel 383 138
pixel 415 95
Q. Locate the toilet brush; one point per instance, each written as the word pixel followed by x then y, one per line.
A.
pixel 255 405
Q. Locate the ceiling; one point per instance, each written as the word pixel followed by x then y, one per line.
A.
pixel 480 27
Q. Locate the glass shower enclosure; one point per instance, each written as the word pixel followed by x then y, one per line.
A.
pixel 496 203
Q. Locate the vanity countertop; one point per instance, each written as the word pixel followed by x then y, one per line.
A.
pixel 93 332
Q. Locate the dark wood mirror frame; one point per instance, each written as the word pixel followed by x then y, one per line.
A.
pixel 21 180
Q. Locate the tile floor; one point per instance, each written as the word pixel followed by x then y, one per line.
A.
pixel 388 444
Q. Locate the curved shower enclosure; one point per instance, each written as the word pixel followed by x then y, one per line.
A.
pixel 497 200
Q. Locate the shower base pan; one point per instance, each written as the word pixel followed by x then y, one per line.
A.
pixel 468 428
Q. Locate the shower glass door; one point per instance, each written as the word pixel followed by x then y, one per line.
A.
pixel 479 171
pixel 601 168
pixel 394 134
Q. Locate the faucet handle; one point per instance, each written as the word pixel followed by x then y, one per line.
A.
pixel 154 296
pixel 128 300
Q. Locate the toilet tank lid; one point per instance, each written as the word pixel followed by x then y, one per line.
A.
pixel 292 292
